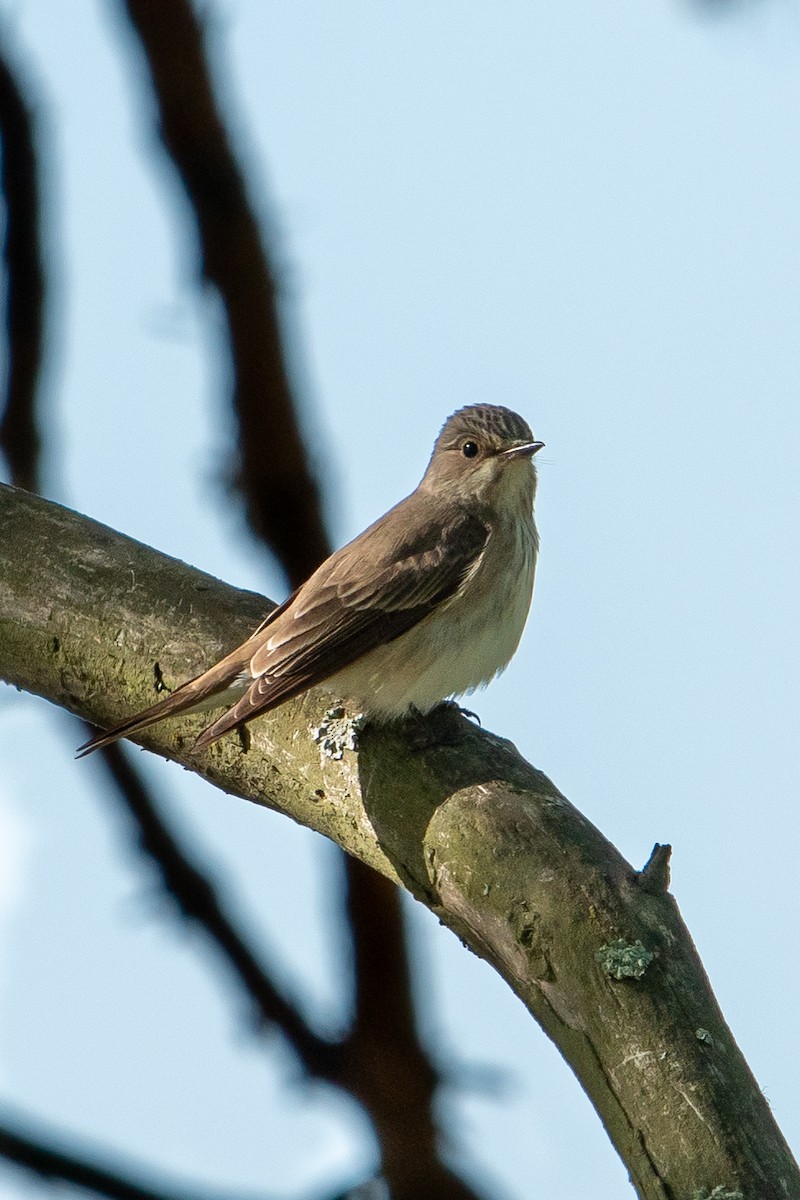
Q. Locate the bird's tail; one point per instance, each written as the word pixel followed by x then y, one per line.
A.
pixel 189 696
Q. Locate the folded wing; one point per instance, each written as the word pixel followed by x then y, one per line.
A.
pixel 366 595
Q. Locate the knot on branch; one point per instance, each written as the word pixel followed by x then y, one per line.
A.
pixel 654 876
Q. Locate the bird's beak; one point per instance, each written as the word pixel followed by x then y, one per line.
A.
pixel 526 450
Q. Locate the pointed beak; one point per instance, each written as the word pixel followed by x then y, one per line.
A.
pixel 526 450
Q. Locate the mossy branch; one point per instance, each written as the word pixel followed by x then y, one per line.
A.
pixel 599 955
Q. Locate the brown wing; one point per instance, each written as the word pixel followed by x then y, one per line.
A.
pixel 365 595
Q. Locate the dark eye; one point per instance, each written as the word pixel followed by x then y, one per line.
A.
pixel 469 449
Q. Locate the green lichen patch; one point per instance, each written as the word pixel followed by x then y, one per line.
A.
pixel 624 960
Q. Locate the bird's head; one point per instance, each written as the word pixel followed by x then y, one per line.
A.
pixel 484 452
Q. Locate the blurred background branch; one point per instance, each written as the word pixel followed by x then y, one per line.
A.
pixel 283 507
pixel 55 1160
pixel 20 435
pixel 280 492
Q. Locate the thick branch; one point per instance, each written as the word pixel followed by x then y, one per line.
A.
pixel 605 965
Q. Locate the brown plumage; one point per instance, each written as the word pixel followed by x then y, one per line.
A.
pixel 428 602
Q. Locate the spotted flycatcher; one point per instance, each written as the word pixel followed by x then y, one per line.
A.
pixel 428 603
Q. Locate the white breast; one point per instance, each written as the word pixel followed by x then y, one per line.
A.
pixel 460 646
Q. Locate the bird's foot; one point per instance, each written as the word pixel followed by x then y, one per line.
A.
pixel 439 727
pixel 466 712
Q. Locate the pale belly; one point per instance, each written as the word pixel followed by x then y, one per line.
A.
pixel 456 649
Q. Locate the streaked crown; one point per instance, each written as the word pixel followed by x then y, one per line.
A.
pixel 500 425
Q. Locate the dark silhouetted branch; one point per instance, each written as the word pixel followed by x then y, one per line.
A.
pixel 61 1163
pixel 280 491
pixel 198 901
pixel 384 1062
pixel 24 282
pixel 386 1065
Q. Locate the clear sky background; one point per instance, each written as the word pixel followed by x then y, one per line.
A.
pixel 585 211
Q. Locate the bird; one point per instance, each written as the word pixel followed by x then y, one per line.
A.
pixel 427 604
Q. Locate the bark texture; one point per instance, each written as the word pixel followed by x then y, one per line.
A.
pixel 597 952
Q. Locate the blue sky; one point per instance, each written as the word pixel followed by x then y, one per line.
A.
pixel 587 212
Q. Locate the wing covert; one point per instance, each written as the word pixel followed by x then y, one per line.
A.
pixel 365 595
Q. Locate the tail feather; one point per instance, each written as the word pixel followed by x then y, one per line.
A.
pixel 262 696
pixel 189 696
pixel 242 710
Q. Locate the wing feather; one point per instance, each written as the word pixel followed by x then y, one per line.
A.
pixel 366 595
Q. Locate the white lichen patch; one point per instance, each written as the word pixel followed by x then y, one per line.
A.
pixel 337 732
pixel 719 1193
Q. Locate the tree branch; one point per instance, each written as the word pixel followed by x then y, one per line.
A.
pixel 24 285
pixel 279 489
pixel 284 510
pixel 198 901
pixel 485 840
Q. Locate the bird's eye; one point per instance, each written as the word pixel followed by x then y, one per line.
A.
pixel 469 449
